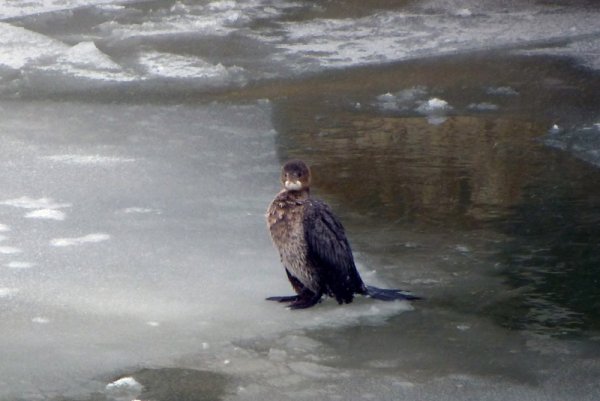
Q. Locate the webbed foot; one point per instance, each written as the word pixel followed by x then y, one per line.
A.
pixel 291 298
pixel 306 302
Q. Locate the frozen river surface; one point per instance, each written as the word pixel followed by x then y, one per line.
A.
pixel 142 141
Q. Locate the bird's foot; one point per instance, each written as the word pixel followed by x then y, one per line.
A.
pixel 305 302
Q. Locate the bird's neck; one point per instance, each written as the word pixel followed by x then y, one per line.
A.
pixel 299 196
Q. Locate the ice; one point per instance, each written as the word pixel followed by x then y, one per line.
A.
pixel 483 106
pixel 89 159
pixel 435 109
pixel 126 388
pixel 10 250
pixel 164 259
pixel 19 265
pixel 6 292
pixel 400 100
pixel 140 210
pixel 463 12
pixel 25 202
pixel 176 66
pixel 49 214
pixel 84 60
pixel 21 47
pixel 434 105
pixel 125 45
pixel 90 238
pixel 583 141
pixel 392 36
pixel 502 91
pixel 16 8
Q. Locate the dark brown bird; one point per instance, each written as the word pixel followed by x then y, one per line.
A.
pixel 313 246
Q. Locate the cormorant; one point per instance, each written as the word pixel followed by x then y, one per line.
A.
pixel 313 246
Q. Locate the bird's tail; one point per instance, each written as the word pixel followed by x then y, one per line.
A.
pixel 384 294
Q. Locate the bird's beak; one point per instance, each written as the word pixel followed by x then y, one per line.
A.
pixel 292 185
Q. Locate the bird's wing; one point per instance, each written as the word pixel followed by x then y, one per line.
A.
pixel 329 251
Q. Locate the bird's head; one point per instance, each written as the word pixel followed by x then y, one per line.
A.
pixel 295 176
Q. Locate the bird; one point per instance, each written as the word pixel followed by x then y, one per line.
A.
pixel 313 246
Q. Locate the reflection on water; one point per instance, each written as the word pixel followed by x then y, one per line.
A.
pixel 410 170
pixel 475 168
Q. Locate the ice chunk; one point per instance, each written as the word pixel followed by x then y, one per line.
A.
pixel 26 202
pixel 50 214
pixel 433 105
pixel 87 55
pixel 9 250
pixel 40 320
pixel 88 159
pixel 170 65
pixel 90 238
pixel 502 91
pixel 21 47
pixel 140 210
pixel 463 12
pixel 85 60
pixel 4 228
pixel 483 106
pixel 6 292
pixel 124 388
pixel 19 265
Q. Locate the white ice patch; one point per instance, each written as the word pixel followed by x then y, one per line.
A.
pixel 484 106
pixel 4 228
pixel 400 100
pixel 9 250
pixel 217 18
pixel 26 202
pixel 169 65
pixel 501 91
pixel 434 105
pixel 48 214
pixel 88 159
pixel 40 320
pixel 21 47
pixel 6 292
pixel 435 110
pixel 124 388
pixel 90 238
pixel 19 265
pixel 17 8
pixel 85 60
pixel 140 210
pixel 392 36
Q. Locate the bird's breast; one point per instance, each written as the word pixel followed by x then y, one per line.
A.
pixel 285 221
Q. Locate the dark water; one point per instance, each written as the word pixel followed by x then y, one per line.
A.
pixel 484 174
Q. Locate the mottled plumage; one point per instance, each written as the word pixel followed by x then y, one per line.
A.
pixel 313 246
